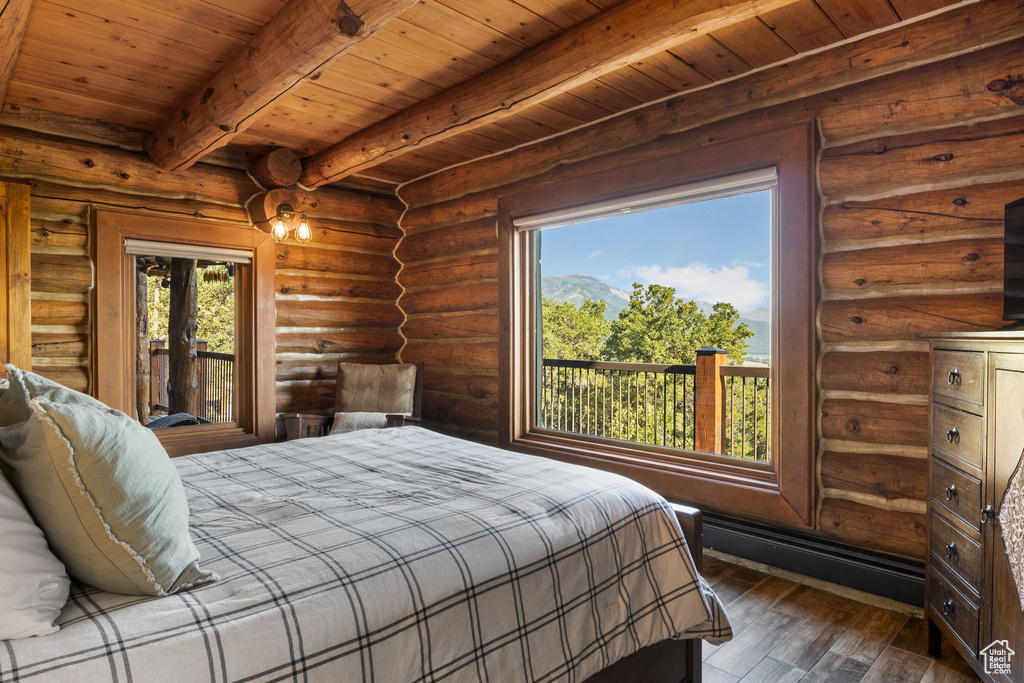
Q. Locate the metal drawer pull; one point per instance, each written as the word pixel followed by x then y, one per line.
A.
pixel 953 435
pixel 948 608
pixel 987 513
pixel 950 551
pixel 951 492
pixel 954 376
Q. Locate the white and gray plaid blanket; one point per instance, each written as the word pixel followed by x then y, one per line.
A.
pixel 390 556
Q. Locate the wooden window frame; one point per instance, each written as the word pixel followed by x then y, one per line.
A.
pixel 783 491
pixel 113 329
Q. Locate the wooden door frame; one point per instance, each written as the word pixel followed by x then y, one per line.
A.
pixel 786 490
pixel 113 326
pixel 16 276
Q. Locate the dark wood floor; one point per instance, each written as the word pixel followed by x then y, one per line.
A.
pixel 785 631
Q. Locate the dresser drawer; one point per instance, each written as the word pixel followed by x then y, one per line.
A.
pixel 954 608
pixel 958 433
pixel 956 551
pixel 957 492
pixel 959 375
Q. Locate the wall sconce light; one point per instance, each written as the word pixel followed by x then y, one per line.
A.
pixel 282 225
pixel 285 215
pixel 304 233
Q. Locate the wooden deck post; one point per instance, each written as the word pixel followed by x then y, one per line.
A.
pixel 201 346
pixel 143 363
pixel 157 377
pixel 709 417
pixel 181 344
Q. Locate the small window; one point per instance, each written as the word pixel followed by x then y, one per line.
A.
pixel 660 319
pixel 184 328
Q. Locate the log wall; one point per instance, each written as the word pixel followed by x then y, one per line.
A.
pixel 920 153
pixel 335 297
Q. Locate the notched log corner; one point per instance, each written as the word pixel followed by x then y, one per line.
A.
pixel 347 21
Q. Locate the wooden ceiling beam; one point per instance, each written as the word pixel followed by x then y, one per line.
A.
pixel 628 32
pixel 13 20
pixel 295 45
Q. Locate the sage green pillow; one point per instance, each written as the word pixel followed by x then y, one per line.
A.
pixel 107 497
pixel 25 386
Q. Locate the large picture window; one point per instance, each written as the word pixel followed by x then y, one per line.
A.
pixel 184 328
pixel 661 323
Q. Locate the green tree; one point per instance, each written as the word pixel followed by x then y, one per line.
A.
pixel 574 332
pixel 216 320
pixel 656 327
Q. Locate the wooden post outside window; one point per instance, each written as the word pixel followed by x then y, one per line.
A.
pixel 709 420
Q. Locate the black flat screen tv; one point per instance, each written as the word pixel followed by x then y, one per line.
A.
pixel 1013 262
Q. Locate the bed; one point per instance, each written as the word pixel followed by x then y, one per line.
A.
pixel 395 555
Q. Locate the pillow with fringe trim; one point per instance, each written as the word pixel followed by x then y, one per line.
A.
pixel 107 497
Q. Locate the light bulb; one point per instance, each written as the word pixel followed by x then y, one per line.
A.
pixel 279 231
pixel 304 233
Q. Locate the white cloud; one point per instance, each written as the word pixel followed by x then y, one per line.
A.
pixel 594 254
pixel 749 264
pixel 702 282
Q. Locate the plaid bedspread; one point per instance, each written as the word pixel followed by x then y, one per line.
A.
pixel 389 556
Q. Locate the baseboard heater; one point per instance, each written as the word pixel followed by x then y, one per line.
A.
pixel 901 580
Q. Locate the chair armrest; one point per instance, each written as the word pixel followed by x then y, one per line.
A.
pixel 302 426
pixel 399 420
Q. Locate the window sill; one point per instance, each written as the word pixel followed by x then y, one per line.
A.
pixel 180 441
pixel 705 480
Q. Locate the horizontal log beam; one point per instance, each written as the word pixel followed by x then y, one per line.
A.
pixel 76 378
pixel 597 46
pixel 334 342
pixel 339 286
pixel 426 244
pixel 884 476
pixel 458 269
pixel 454 353
pixel 890 531
pixel 334 261
pixel 878 167
pixel 905 317
pixel 300 40
pixel 892 372
pixel 335 313
pixel 874 422
pixel 29 155
pixel 61 273
pixel 462 297
pixel 440 326
pixel 13 22
pixel 920 265
pixel 959 31
pixel 965 211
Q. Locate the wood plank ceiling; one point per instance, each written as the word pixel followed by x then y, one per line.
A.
pixel 132 63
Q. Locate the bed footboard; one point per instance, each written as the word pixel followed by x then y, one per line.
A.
pixel 670 661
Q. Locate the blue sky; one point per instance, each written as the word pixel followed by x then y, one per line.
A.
pixel 716 250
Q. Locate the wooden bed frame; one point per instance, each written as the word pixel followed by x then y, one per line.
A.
pixel 670 661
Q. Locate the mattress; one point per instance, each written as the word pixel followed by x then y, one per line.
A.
pixel 394 555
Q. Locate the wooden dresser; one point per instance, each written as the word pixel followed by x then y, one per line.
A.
pixel 977 438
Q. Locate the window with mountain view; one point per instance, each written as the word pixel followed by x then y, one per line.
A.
pixel 658 319
pixel 628 300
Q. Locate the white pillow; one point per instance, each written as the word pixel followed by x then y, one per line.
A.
pixel 33 583
pixel 350 422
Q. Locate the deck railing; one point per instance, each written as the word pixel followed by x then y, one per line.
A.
pixel 662 405
pixel 216 380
